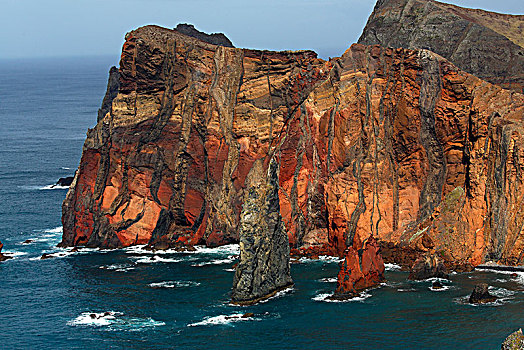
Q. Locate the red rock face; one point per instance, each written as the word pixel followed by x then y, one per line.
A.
pixel 361 269
pixel 391 143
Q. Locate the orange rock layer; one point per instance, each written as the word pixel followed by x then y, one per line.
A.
pixel 392 143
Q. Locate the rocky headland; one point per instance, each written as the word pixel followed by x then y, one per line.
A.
pixel 390 153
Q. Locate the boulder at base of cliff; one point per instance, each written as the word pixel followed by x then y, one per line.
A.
pixel 480 295
pixel 428 266
pixel 515 341
pixel 360 270
pixel 64 181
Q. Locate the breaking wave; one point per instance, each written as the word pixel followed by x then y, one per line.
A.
pixel 114 321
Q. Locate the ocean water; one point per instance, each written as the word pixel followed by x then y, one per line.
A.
pixel 135 299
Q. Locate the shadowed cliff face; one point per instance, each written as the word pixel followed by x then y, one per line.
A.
pixel 486 44
pixel 394 143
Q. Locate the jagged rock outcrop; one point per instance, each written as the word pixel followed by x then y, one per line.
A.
pixel 514 341
pixel 486 44
pixel 263 269
pixel 64 181
pixel 428 266
pixel 396 144
pixel 113 85
pixel 361 269
pixel 216 38
pixel 480 295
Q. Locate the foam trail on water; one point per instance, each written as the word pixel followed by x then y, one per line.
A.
pixel 222 320
pixel 53 187
pixel 174 284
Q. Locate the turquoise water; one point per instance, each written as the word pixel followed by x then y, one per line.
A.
pixel 180 300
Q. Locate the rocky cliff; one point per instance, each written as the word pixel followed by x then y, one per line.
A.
pixel 397 144
pixel 486 44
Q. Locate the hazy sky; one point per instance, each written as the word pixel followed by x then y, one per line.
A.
pixel 38 28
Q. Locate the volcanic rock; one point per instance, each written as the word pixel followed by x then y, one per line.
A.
pixel 216 38
pixel 480 295
pixel 2 256
pixel 397 144
pixel 361 269
pixel 46 256
pixel 113 85
pixel 437 285
pixel 429 266
pixel 28 241
pixel 263 268
pixel 486 44
pixel 515 341
pixel 64 181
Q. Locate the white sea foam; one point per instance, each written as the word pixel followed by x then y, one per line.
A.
pixel 325 298
pixel 174 284
pixel 433 279
pixel 222 320
pixel 13 254
pixel 216 262
pixel 501 293
pixel 328 279
pixel 58 229
pixel 278 294
pixel 392 267
pixel 156 259
pixel 517 276
pixel 95 319
pixel 321 258
pixel 114 321
pixel 118 267
pixel 230 249
pixel 441 289
pixel 53 187
pixel 225 249
pixel 229 270
pixel 406 290
pixel 65 168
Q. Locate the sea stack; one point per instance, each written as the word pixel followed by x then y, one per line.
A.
pixel 263 269
pixel 361 269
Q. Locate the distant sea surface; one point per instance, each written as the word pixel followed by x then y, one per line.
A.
pixel 134 299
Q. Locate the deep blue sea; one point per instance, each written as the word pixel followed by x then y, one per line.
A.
pixel 180 300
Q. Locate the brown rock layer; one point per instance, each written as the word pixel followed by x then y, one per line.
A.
pixel 486 44
pixel 394 143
